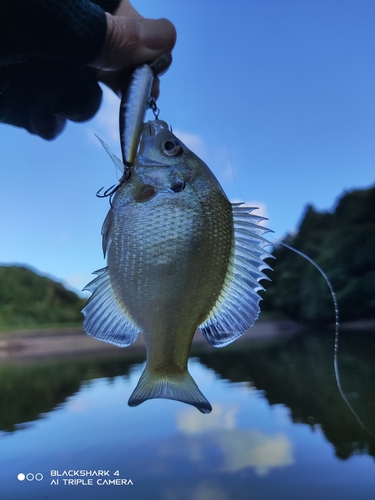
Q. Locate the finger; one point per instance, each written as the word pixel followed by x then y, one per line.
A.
pixel 131 42
pixel 155 91
pixel 117 81
pixel 46 125
pixel 126 9
pixel 81 102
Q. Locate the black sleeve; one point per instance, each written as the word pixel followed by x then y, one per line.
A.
pixel 45 48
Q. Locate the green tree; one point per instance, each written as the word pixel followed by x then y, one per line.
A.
pixel 343 245
pixel 28 299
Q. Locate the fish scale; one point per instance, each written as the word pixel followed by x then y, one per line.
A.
pixel 164 255
pixel 180 256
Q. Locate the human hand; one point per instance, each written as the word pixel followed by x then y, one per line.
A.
pixel 131 40
pixel 55 82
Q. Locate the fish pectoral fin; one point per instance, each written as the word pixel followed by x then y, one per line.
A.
pixel 107 231
pixel 105 318
pixel 180 388
pixel 145 193
pixel 237 306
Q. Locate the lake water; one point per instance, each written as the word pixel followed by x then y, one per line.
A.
pixel 279 428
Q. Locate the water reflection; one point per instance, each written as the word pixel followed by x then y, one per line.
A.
pixel 300 375
pixel 235 448
pixel 276 424
pixel 30 390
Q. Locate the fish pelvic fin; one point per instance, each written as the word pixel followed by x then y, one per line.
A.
pixel 237 306
pixel 178 387
pixel 105 318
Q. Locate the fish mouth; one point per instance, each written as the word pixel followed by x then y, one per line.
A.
pixel 154 127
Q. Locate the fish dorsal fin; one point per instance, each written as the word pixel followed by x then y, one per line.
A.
pixel 118 163
pixel 105 319
pixel 237 306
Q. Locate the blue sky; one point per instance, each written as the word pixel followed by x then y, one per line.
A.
pixel 277 96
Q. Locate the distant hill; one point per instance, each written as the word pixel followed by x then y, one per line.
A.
pixel 28 299
pixel 343 244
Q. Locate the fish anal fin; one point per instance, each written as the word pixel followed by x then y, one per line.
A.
pixel 180 388
pixel 105 318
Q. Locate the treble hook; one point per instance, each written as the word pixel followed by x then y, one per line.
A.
pixel 107 192
pixel 111 190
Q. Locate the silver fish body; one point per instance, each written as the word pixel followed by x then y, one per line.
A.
pixel 180 256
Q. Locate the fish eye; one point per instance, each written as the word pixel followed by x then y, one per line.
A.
pixel 171 147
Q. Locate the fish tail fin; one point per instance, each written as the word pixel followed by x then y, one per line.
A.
pixel 180 388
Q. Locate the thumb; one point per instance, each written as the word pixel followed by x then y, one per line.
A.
pixel 133 41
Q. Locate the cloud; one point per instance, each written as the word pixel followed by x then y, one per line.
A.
pixel 78 405
pixel 191 422
pixel 193 141
pixel 253 448
pixel 233 450
pixel 106 126
pixel 204 490
pixel 238 448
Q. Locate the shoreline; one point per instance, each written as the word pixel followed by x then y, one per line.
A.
pixel 62 342
pixel 41 344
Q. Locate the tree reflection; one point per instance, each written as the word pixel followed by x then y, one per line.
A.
pixel 299 374
pixel 28 391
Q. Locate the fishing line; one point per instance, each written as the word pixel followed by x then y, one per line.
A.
pixel 220 121
pixel 229 155
pixel 336 344
pixel 333 294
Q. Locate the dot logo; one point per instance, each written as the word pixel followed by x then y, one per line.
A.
pixel 30 477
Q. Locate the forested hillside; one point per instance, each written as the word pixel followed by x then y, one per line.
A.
pixel 28 299
pixel 343 244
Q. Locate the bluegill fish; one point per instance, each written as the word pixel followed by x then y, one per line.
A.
pixel 180 256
